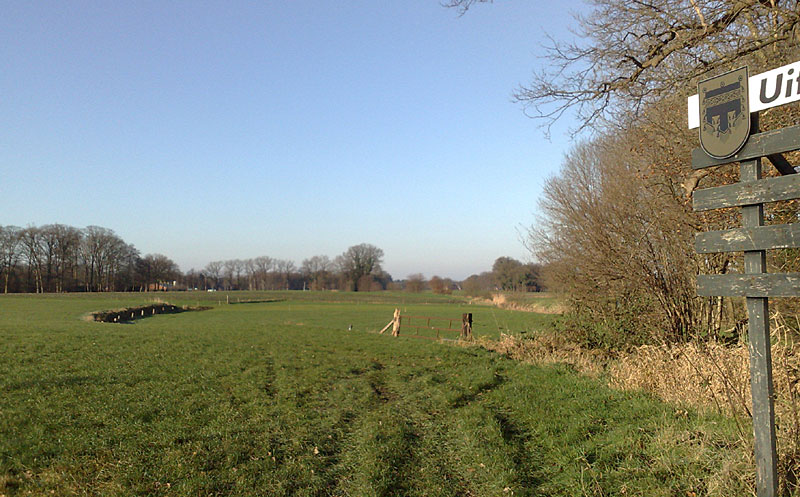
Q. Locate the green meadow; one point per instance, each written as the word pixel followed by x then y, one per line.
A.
pixel 268 393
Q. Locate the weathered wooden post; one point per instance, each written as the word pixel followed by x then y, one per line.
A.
pixel 466 326
pixel 724 114
pixel 396 323
pixel 755 262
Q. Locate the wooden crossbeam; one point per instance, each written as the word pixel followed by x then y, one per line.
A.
pixel 749 285
pixel 758 145
pixel 747 193
pixel 429 328
pixel 781 164
pixel 741 239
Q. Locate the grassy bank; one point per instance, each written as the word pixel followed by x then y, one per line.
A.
pixel 277 398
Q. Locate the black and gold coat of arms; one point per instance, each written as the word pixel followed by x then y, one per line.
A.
pixel 724 113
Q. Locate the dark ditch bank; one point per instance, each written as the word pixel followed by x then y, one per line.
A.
pixel 131 313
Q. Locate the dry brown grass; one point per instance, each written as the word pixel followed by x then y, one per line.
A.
pixel 698 375
pixel 549 349
pixel 712 375
pixel 502 301
pixel 704 374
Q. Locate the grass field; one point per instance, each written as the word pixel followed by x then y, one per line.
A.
pixel 278 398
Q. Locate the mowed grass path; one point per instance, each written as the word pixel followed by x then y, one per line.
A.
pixel 277 398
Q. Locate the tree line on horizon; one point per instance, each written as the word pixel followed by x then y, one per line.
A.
pixel 357 269
pixel 58 258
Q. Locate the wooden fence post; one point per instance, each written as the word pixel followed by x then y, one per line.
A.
pixel 396 323
pixel 466 326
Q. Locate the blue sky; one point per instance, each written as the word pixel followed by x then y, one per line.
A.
pixel 217 130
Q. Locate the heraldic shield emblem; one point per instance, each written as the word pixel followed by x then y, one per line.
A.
pixel 724 113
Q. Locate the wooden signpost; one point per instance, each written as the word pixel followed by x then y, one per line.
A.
pixel 754 239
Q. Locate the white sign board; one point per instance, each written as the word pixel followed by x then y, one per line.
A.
pixel 769 89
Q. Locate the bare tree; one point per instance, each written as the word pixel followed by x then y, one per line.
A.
pixel 463 5
pixel 49 236
pixel 263 266
pixel 194 279
pixel 284 268
pixel 316 268
pixel 631 54
pixel 125 273
pixel 9 252
pixel 415 282
pixel 31 240
pixel 239 268
pixel 229 272
pixel 68 241
pixel 617 237
pixel 251 271
pixel 98 247
pixel 360 260
pixel 213 270
pixel 57 258
pixel 439 285
pixel 161 271
pixel 478 284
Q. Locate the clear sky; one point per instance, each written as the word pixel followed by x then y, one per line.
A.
pixel 217 130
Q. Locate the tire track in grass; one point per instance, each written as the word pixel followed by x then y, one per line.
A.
pixel 490 451
pixel 408 446
pixel 438 469
pixel 518 442
pixel 483 388
pixel 269 377
pixel 378 455
pixel 321 426
pixel 381 448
